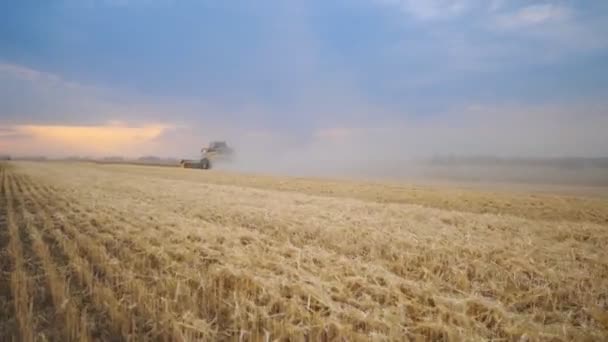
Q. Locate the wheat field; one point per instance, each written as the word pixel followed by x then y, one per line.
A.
pixel 137 253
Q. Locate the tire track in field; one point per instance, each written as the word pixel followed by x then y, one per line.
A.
pixel 146 310
pixel 8 328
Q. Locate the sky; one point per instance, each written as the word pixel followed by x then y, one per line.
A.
pixel 304 81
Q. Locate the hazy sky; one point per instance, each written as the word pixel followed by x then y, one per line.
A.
pixel 389 78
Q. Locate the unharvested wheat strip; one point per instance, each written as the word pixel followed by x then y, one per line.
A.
pixel 19 283
pixel 145 303
pixel 71 321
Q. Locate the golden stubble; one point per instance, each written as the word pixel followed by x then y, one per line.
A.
pixel 174 254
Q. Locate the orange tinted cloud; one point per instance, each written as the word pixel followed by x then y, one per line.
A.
pixel 113 138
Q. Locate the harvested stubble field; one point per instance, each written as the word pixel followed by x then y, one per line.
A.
pixel 119 252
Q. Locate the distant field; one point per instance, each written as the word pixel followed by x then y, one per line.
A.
pixel 94 251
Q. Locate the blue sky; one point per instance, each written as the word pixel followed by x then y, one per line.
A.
pixel 479 77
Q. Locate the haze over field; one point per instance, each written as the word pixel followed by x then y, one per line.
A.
pixel 315 85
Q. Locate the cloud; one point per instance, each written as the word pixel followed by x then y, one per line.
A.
pixel 496 5
pixel 432 9
pixel 497 37
pixel 43 113
pixel 373 136
pixel 533 15
pixel 32 96
pixel 121 3
pixel 7 132
pixel 551 33
pixel 510 14
pixel 58 140
pixel 26 73
pixel 108 137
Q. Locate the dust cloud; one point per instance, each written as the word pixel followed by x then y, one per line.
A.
pixel 479 144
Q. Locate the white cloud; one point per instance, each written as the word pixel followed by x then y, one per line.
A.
pixel 31 96
pixel 557 31
pixel 496 5
pixel 28 74
pixel 532 15
pixel 120 3
pixel 432 9
pixel 442 9
pixel 497 36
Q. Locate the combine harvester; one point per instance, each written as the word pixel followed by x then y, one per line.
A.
pixel 217 151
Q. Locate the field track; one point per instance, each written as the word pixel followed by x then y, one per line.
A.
pixel 128 253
